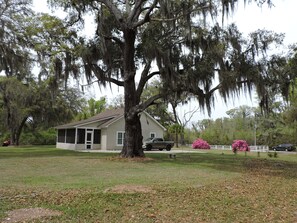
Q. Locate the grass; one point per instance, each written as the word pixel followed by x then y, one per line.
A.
pixel 194 187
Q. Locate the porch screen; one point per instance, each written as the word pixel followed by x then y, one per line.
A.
pixel 70 136
pixel 61 135
pixel 97 136
pixel 81 134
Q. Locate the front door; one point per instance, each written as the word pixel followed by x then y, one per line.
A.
pixel 89 139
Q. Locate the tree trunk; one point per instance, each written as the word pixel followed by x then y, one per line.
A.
pixel 12 137
pixel 19 131
pixel 133 138
pixel 176 138
pixel 133 134
pixel 182 138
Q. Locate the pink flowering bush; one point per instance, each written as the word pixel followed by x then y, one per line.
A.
pixel 240 145
pixel 200 144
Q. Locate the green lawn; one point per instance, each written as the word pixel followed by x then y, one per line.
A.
pixel 193 187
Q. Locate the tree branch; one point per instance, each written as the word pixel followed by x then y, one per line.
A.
pixel 191 116
pixel 116 40
pixel 149 102
pixel 145 77
pixel 178 17
pixel 102 77
pixel 115 11
pixel 146 16
pixel 135 12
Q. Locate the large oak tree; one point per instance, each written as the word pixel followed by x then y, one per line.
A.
pixel 172 40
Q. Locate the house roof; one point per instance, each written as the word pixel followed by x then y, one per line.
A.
pixel 106 117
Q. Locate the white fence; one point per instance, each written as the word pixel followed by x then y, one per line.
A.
pixel 259 148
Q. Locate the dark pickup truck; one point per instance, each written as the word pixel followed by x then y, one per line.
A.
pixel 157 143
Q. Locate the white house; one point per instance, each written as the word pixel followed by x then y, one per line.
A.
pixel 104 131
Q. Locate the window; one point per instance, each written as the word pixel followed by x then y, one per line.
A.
pixel 120 138
pixel 61 135
pixel 81 134
pixel 97 136
pixel 152 135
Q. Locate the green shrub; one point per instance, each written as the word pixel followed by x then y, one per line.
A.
pixel 45 137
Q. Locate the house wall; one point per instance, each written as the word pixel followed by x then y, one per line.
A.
pixel 103 139
pixel 65 146
pixel 80 146
pixel 111 134
pixel 76 147
pixel 97 146
pixel 149 126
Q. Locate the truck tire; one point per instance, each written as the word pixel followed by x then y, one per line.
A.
pixel 149 147
pixel 168 147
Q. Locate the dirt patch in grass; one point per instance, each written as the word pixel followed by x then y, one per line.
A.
pixel 123 189
pixel 28 214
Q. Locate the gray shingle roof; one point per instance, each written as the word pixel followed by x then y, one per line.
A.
pixel 106 117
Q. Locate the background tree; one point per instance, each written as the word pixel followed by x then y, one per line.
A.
pixel 222 131
pixel 160 109
pixel 278 125
pixel 15 57
pixel 92 108
pixel 117 102
pixel 16 100
pixel 28 41
pixel 54 106
pixel 30 106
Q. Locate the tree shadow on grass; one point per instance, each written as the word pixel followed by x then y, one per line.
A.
pixel 43 151
pixel 226 162
pixel 231 163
